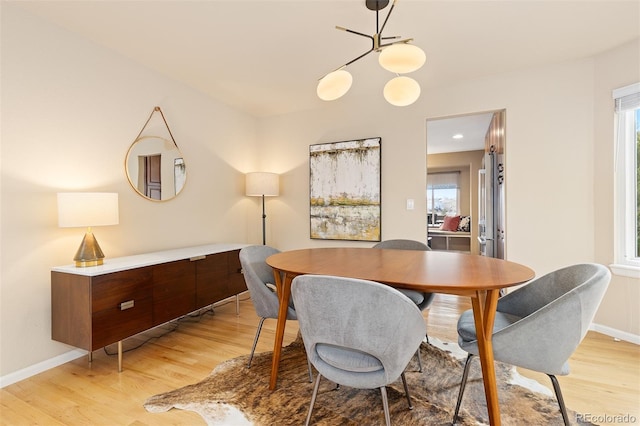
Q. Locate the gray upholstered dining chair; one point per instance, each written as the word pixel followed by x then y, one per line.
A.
pixel 421 299
pixel 540 325
pixel 257 274
pixel 357 333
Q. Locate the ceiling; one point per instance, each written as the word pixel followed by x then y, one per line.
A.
pixel 266 56
pixel 472 128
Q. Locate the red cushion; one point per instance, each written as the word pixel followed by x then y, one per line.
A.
pixel 451 223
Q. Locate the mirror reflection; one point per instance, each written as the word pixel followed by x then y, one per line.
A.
pixel 155 168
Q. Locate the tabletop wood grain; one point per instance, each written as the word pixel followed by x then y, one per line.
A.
pixel 431 271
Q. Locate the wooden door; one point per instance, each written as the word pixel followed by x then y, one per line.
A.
pixel 153 176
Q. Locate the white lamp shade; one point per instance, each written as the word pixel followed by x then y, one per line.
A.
pixel 401 58
pixel 401 91
pixel 262 183
pixel 84 209
pixel 334 85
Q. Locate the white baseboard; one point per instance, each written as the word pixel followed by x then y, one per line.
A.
pixel 45 365
pixel 616 334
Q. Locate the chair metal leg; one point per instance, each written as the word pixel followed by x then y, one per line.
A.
pixel 563 408
pixel 255 341
pixel 383 392
pixel 419 360
pixel 313 399
pixel 310 371
pixel 463 384
pixel 406 390
pixel 385 405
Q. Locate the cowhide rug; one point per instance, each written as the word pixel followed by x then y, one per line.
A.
pixel 235 395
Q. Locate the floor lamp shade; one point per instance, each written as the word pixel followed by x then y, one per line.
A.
pixel 87 209
pixel 262 183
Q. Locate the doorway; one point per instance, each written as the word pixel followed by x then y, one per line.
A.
pixel 465 146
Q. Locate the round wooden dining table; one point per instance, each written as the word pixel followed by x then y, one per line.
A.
pixel 478 277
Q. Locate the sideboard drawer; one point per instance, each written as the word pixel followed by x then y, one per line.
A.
pixel 237 283
pixel 116 323
pixel 211 274
pixel 110 290
pixel 174 290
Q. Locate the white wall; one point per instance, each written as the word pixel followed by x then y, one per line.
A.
pixel 70 111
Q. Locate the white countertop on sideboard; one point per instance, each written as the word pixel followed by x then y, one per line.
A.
pixel 117 264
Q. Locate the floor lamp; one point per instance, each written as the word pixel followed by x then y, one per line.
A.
pixel 262 184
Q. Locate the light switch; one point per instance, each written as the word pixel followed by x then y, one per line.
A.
pixel 409 204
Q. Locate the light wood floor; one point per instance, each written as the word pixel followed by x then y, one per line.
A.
pixel 605 378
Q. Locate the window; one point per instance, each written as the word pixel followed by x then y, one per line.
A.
pixel 443 194
pixel 627 180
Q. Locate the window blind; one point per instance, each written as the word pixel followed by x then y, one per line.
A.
pixel 445 180
pixel 627 98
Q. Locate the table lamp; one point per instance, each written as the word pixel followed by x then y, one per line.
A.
pixel 262 184
pixel 80 209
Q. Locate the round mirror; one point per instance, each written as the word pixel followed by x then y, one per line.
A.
pixel 155 168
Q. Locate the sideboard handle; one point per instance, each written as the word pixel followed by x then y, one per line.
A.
pixel 126 305
pixel 193 259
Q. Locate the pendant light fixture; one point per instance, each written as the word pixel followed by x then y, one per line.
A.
pixel 334 85
pixel 401 91
pixel 402 58
pixel 399 57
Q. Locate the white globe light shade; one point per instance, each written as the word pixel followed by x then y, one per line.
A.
pixel 401 91
pixel 402 58
pixel 334 85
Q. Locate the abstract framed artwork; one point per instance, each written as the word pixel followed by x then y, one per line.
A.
pixel 344 190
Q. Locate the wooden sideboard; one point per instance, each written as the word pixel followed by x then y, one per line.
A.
pixel 100 305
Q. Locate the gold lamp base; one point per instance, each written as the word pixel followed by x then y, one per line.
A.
pixel 89 253
pixel 85 263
